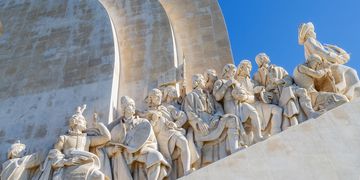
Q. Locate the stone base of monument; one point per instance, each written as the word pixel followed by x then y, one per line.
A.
pixel 323 148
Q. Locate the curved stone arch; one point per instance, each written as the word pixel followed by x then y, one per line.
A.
pixel 191 30
pixel 200 33
pixel 145 48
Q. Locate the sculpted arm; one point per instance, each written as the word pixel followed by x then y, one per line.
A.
pixel 34 160
pixel 316 48
pixel 59 145
pixel 104 136
pixel 219 90
pixel 310 72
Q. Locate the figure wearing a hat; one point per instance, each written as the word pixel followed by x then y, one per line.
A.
pixel 18 165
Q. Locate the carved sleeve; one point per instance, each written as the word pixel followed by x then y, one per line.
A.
pixel 103 138
pixel 60 143
pixel 33 160
pixel 190 109
pixel 310 72
pixel 180 117
pixel 317 48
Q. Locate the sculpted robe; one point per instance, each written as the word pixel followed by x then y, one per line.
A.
pixel 141 150
pixel 346 78
pixel 19 168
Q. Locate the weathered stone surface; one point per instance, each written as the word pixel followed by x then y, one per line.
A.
pixel 322 148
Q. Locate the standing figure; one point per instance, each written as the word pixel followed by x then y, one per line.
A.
pixel 305 76
pixel 134 148
pixel 293 99
pixel 216 134
pixel 270 114
pixel 345 78
pixel 19 165
pixel 170 136
pixel 222 92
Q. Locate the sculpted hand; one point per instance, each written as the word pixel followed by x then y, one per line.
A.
pixel 214 122
pixel 172 125
pixel 230 82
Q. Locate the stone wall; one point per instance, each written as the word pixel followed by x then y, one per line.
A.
pixel 54 56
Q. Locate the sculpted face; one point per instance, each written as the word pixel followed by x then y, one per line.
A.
pixel 77 123
pixel 229 71
pixel 129 111
pixel 245 67
pixel 198 81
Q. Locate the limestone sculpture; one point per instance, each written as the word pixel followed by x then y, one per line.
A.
pixel 134 148
pixel 294 100
pixel 213 130
pixel 345 79
pixel 224 91
pixel 305 76
pixel 270 114
pixel 71 158
pixel 171 137
pixel 19 165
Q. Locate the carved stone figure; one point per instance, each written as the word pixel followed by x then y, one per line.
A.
pixel 293 99
pixel 305 76
pixel 247 115
pixel 71 158
pixel 134 148
pixel 170 136
pixel 223 87
pixel 216 134
pixel 19 165
pixel 346 80
pixel 223 92
pixel 270 114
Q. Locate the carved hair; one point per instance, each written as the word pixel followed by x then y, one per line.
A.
pixel 155 92
pixel 15 149
pixel 227 68
pixel 168 90
pixel 196 80
pixel 260 58
pixel 242 63
pixel 207 73
pixel 126 101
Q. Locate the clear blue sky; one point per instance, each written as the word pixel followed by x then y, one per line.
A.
pixel 271 26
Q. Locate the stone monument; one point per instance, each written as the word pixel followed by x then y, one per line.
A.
pixel 148 71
